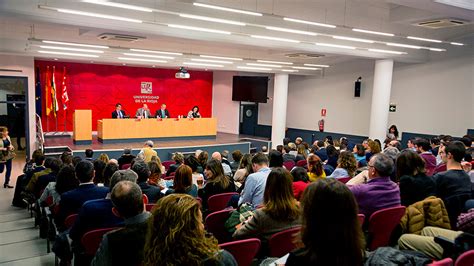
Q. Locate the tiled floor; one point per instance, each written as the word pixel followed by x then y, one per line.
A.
pixel 19 240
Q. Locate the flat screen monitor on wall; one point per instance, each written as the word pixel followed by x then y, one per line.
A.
pixel 249 89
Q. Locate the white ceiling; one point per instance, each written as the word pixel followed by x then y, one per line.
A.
pixel 25 23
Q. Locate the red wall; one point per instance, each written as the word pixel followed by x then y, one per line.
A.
pixel 100 87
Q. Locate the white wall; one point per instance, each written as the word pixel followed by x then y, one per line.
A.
pixel 223 108
pixel 26 65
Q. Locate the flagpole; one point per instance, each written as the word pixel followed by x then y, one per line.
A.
pixel 65 117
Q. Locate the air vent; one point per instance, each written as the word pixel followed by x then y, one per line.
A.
pixel 119 37
pixel 441 23
pixel 303 55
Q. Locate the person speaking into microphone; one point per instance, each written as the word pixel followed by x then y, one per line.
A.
pixel 118 113
pixel 143 112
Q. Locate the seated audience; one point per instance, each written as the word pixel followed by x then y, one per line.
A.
pixel 103 157
pixel 422 146
pixel 44 180
pixel 217 182
pixel 255 182
pixel 125 246
pixel 280 148
pixel 203 157
pixel 193 162
pixel 359 154
pixel 321 152
pixel 96 214
pixel 379 192
pixel 301 149
pixel 99 167
pixel 224 157
pixel 155 175
pixel 236 156
pixel 300 181
pixel 434 144
pixel 331 232
pixel 217 156
pixel 126 158
pixel 280 210
pixel 178 159
pixel 176 235
pixel 152 192
pixel 287 156
pixel 245 169
pixel 346 165
pixel 109 170
pixel 31 185
pixel 372 148
pixel 147 151
pixel 72 200
pixel 315 168
pixel 89 155
pixel 333 156
pixel 275 159
pixel 415 185
pixel 158 161
pixel 183 182
pixel 65 181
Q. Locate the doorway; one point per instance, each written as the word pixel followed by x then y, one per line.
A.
pixel 248 119
pixel 14 111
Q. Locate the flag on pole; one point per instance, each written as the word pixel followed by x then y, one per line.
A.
pixel 53 94
pixel 48 99
pixel 64 96
pixel 38 92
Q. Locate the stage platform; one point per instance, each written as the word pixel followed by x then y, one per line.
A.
pixel 164 148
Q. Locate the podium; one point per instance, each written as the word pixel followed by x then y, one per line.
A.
pixel 82 127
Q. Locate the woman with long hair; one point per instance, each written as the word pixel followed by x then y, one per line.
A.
pixel 359 153
pixel 217 182
pixel 176 235
pixel 156 173
pixel 99 167
pixel 275 159
pixel 415 185
pixel 158 161
pixel 6 155
pixel 315 168
pixel 280 209
pixel 300 181
pixel 103 157
pixel 331 232
pixel 346 165
pixel 109 170
pixel 193 162
pixel 392 131
pixel 203 157
pixel 183 182
pixel 373 148
pixel 301 155
pixel 65 180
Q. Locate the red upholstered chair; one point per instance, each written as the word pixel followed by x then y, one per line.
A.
pixel 282 243
pixel 91 240
pixel 361 218
pixel 148 207
pixel 215 224
pixel 125 166
pixel 381 225
pixel 68 223
pixel 445 262
pixel 344 179
pixel 219 201
pixel 289 165
pixel 301 163
pixel 200 201
pixel 243 250
pixel 466 259
pixel 167 164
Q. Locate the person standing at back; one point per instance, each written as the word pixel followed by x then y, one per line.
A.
pixel 147 151
pixel 6 155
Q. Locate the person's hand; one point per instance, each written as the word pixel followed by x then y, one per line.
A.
pixel 237 227
pixel 466 166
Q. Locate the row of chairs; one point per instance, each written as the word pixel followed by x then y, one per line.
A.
pixel 466 259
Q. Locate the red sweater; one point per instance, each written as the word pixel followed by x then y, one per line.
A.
pixel 298 188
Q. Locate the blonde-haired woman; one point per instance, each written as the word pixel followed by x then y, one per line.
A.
pixel 6 155
pixel 176 235
pixel 104 158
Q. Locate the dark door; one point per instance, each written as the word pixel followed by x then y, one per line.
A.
pixel 249 119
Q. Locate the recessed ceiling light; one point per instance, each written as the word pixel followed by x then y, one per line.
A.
pixel 142 60
pixel 155 52
pixel 457 43
pixel 218 20
pixel 386 51
pixel 264 65
pixel 201 64
pixel 229 9
pixel 97 15
pixel 221 57
pixel 211 61
pixel 374 32
pixel 352 39
pixel 274 38
pixel 403 45
pixel 306 68
pixel 71 49
pixel 289 70
pixel 437 49
pixel 275 62
pixel 335 45
pixel 198 29
pixel 254 68
pixel 77 44
pixel 119 5
pixel 309 22
pixel 315 65
pixel 65 53
pixel 423 39
pixel 292 31
pixel 149 55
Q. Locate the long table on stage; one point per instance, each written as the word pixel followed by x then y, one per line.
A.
pixel 122 130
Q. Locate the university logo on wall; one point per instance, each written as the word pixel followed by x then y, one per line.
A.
pixel 146 87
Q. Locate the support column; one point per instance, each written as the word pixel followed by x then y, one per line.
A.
pixel 381 99
pixel 280 98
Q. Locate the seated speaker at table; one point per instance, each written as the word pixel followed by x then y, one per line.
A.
pixel 118 113
pixel 162 112
pixel 194 113
pixel 143 112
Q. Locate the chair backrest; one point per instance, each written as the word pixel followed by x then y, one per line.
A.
pixel 361 218
pixel 243 250
pixel 125 166
pixel 381 225
pixel 301 163
pixel 148 207
pixel 344 179
pixel 215 225
pixel 444 262
pixel 466 259
pixel 69 222
pixel 91 240
pixel 282 243
pixel 289 165
pixel 167 164
pixel 219 201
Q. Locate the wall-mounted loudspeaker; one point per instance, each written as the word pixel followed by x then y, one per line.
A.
pixel 357 87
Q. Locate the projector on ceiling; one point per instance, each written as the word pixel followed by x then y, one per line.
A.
pixel 182 74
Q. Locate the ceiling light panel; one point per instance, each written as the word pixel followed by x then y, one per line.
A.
pixel 201 64
pixel 292 31
pixel 352 39
pixel 155 52
pixel 306 68
pixel 233 10
pixel 289 70
pixel 457 43
pixel 142 60
pixel 218 20
pixel 118 5
pixel 437 49
pixel 211 61
pixel 374 32
pixel 335 45
pixel 254 68
pixel 423 39
pixel 71 49
pixel 76 44
pixel 149 55
pixel 275 62
pixel 66 53
pixel 97 15
pixel 386 51
pixel 309 22
pixel 403 45
pixel 198 29
pixel 316 65
pixel 274 38
pixel 221 57
pixel 263 65
pixel 465 4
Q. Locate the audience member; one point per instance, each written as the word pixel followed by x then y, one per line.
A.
pixel 155 175
pixel 287 156
pixel 280 210
pixel 298 141
pixel 176 235
pixel 44 180
pixel 300 181
pixel 224 157
pixel 128 204
pixel 286 141
pixel 434 143
pixel 217 156
pixel 301 156
pixel 193 162
pixel 411 144
pixel 255 182
pixel 315 168
pixel 264 149
pixel 415 185
pixel 31 185
pixel 103 157
pixel 330 225
pixel 203 157
pixel 178 159
pixel 147 151
pixel 423 147
pixel 333 156
pixel 359 154
pixel 379 192
pixel 245 169
pixel 126 158
pixel 346 165
pixel 280 148
pixel 66 180
pixel 236 156
pixel 393 130
pixel 99 167
pixel 275 159
pixel 109 170
pixel 89 155
pixel 152 192
pixel 66 157
pixel 183 182
pixel 373 148
pixel 217 182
